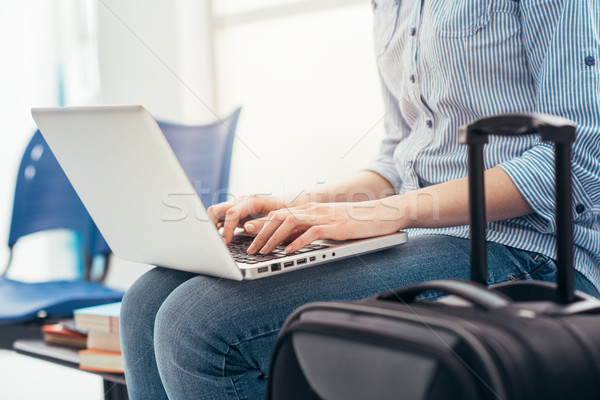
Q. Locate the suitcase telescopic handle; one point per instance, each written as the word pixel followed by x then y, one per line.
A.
pixel 476 294
pixel 561 132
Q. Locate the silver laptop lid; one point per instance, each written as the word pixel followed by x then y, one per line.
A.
pixel 131 183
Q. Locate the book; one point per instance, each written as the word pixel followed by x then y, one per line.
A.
pixel 106 341
pixel 61 334
pixel 101 361
pixel 103 318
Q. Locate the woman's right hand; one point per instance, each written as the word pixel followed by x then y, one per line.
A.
pixel 232 214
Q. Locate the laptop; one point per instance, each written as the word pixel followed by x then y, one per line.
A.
pixel 124 171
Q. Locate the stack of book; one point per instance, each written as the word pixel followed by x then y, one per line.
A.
pixel 64 333
pixel 103 352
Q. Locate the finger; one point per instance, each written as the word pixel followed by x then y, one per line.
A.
pixel 289 225
pixel 271 224
pixel 217 212
pixel 293 236
pixel 313 233
pixel 237 215
pixel 254 226
pixel 232 218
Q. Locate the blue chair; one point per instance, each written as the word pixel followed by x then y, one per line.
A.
pixel 45 200
pixel 204 153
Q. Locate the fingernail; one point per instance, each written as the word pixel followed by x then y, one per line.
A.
pixel 251 248
pixel 288 249
pixel 264 250
pixel 250 228
pixel 224 239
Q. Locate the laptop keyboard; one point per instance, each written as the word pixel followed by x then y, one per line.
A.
pixel 239 250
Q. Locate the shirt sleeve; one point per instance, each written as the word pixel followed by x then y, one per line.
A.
pixel 563 56
pixel 395 130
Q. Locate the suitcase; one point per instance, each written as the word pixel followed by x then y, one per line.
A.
pixel 521 340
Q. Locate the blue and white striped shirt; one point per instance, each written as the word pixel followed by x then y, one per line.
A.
pixel 446 63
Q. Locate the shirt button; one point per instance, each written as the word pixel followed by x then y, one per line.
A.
pixel 429 123
pixel 409 164
pixel 590 61
pixel 374 4
pixel 580 208
pixel 413 31
pixel 412 78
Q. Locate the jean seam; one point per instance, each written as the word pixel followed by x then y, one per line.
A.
pixel 230 379
pixel 230 346
pixel 534 273
pixel 253 337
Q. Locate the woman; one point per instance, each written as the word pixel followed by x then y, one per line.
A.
pixel 442 64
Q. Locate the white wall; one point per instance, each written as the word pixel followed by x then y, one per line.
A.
pixel 309 86
pixel 307 81
pixel 158 53
pixel 37 40
pixel 25 79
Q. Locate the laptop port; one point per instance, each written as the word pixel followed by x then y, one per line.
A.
pixel 301 261
pixel 288 264
pixel 263 269
pixel 313 258
pixel 275 267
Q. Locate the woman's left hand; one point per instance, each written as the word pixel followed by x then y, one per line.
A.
pixel 314 221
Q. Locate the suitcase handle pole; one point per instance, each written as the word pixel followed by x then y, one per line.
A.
pixel 561 132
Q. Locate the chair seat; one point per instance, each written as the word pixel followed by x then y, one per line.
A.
pixel 23 301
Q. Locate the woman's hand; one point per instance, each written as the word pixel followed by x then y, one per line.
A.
pixel 313 221
pixel 437 206
pixel 364 185
pixel 232 214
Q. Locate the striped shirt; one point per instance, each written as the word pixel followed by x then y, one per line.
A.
pixel 446 63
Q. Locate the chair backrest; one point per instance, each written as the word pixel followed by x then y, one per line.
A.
pixel 204 152
pixel 44 197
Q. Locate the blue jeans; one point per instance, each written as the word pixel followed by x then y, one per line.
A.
pixel 188 336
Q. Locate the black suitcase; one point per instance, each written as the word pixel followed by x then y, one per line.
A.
pixel 520 340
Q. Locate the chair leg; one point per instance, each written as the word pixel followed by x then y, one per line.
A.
pixel 87 267
pixel 102 277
